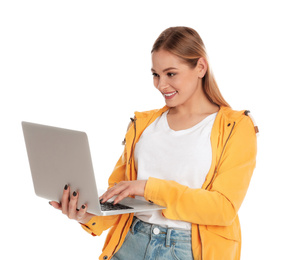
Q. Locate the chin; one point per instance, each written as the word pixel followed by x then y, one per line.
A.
pixel 171 103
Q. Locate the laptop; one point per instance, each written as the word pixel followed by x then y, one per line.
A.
pixel 59 156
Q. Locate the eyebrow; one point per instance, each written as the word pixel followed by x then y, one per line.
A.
pixel 169 68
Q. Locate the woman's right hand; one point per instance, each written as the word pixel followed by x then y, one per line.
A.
pixel 68 206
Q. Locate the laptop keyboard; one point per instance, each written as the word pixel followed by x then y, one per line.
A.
pixel 110 206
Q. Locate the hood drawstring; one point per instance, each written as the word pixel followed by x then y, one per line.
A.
pixel 247 113
pixel 133 121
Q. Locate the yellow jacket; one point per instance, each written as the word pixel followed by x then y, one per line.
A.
pixel 213 209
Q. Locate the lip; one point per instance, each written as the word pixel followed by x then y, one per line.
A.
pixel 169 95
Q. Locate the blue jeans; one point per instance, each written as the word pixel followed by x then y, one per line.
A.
pixel 152 242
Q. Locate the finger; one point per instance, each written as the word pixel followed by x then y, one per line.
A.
pixel 55 204
pixel 121 196
pixel 106 193
pixel 114 191
pixel 65 199
pixel 81 213
pixel 105 196
pixel 72 212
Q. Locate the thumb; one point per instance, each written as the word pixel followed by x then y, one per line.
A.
pixel 55 204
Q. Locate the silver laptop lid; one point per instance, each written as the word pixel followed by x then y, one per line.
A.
pixel 58 157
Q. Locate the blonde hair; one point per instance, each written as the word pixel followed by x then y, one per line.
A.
pixel 186 43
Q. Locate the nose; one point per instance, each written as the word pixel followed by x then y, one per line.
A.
pixel 161 84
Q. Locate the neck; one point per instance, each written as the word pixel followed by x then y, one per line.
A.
pixel 198 105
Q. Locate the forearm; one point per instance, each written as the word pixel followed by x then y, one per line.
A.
pixel 192 205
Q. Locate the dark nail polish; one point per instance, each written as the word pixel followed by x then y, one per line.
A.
pixel 50 203
pixel 66 187
pixel 101 200
pixel 83 206
pixel 74 194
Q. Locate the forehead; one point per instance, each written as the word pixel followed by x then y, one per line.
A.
pixel 162 59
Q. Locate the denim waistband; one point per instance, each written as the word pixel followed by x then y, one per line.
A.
pixel 170 235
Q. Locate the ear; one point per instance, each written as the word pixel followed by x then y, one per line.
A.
pixel 201 67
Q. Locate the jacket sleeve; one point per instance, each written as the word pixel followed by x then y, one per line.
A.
pixel 98 224
pixel 218 205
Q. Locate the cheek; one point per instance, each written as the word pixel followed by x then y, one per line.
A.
pixel 178 83
pixel 189 82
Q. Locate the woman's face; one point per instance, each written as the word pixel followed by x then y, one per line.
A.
pixel 175 79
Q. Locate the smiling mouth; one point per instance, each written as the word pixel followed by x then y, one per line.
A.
pixel 169 95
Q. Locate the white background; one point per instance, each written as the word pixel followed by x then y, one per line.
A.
pixel 85 65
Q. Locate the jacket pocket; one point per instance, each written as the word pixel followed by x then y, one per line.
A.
pixel 221 243
pixel 228 232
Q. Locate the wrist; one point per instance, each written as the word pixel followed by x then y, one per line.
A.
pixel 85 220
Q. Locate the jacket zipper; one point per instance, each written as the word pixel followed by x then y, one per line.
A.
pixel 121 235
pixel 216 168
pixel 134 121
pixel 215 172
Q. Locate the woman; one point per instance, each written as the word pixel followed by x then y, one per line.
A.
pixel 195 156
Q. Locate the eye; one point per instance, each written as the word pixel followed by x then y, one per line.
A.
pixel 155 75
pixel 170 74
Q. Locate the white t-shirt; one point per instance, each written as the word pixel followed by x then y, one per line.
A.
pixel 183 156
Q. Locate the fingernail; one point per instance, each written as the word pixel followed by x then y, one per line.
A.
pixel 83 206
pixel 66 187
pixel 101 200
pixel 50 203
pixel 74 194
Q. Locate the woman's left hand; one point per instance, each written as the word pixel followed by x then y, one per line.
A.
pixel 123 190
